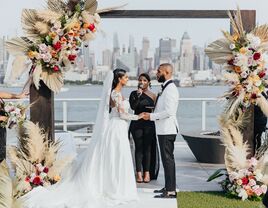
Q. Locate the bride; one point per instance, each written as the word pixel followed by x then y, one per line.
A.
pixel 103 175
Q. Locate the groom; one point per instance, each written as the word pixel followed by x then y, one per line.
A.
pixel 166 127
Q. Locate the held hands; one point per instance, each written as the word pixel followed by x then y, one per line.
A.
pixel 144 116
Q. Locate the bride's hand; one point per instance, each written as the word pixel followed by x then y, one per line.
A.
pixel 141 115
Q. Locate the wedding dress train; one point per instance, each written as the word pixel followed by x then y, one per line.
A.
pixel 103 175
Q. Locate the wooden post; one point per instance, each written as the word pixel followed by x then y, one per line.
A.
pixel 42 111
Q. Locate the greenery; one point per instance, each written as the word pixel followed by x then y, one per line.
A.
pixel 212 200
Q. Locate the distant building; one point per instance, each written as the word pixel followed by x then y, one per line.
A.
pixel 107 57
pixel 186 55
pixel 100 73
pixel 165 50
pixel 198 63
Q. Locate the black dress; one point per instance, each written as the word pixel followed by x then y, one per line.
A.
pixel 143 133
pixel 3 134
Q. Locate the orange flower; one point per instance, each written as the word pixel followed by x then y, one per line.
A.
pixel 32 54
pixel 52 35
pixel 76 26
pixel 237 69
pixel 243 50
pixel 56 178
pixel 249 192
pixel 85 25
pixel 71 33
pixel 235 37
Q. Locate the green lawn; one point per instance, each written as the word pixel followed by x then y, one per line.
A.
pixel 212 200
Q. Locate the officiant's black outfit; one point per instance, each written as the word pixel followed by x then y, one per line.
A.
pixel 143 133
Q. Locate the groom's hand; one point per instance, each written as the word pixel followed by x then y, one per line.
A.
pixel 146 116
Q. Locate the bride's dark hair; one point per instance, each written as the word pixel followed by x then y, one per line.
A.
pixel 118 73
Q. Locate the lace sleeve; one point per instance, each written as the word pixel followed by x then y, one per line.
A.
pixel 118 100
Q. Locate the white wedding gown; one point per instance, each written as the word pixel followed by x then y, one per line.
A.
pixel 103 175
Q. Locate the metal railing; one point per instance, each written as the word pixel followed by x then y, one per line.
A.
pixel 65 123
pixel 65 101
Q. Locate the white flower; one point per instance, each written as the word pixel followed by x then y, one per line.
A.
pixel 241 60
pixel 258 83
pixel 233 175
pixel 57 25
pixel 239 182
pixel 254 41
pixel 243 194
pixel 264 188
pixel 43 175
pixel 47 57
pixel 252 182
pixel 258 175
pixel 244 74
pixel 232 46
pixel 43 47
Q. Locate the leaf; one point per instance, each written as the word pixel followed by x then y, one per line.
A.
pixel 219 51
pixel 37 75
pixel 53 81
pixel 19 66
pixel 6 197
pixel 18 46
pixel 216 174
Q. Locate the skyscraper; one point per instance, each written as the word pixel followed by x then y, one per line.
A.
pixel 107 57
pixel 116 50
pixel 198 63
pixel 165 50
pixel 186 55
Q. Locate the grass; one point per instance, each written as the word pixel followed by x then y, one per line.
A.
pixel 212 200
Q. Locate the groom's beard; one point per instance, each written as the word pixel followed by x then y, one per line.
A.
pixel 161 79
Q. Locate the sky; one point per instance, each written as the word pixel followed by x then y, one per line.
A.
pixel 201 31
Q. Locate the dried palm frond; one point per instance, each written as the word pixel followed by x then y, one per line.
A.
pixel 236 22
pixel 219 51
pixel 233 104
pixel 6 191
pixel 231 77
pixel 228 36
pixel 91 6
pixel 18 46
pixel 42 28
pixel 99 11
pixel 24 167
pixel 53 81
pixel 12 155
pixel 263 104
pixel 261 32
pixel 59 166
pixel 52 149
pixel 35 143
pixel 29 20
pixel 49 15
pixel 19 66
pixel 236 151
pixel 57 6
pixel 37 75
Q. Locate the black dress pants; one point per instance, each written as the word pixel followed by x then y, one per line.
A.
pixel 166 143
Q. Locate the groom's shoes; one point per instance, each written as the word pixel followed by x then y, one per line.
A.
pixel 166 195
pixel 160 191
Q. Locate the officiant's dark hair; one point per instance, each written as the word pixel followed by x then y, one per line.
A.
pixel 118 73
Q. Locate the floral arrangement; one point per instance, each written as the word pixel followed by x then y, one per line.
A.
pixel 246 69
pixel 245 58
pixel 54 37
pixel 34 160
pixel 15 113
pixel 245 183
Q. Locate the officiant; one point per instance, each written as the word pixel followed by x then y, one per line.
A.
pixel 143 132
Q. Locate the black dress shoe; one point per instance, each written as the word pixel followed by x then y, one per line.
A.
pixel 160 191
pixel 165 195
